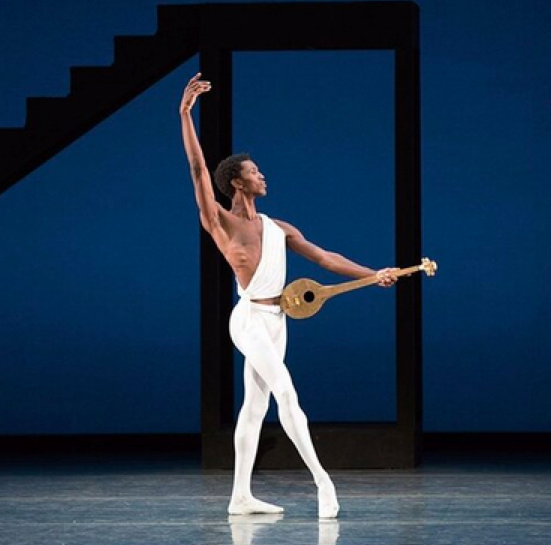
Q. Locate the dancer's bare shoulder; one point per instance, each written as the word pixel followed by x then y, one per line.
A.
pixel 287 228
pixel 297 242
pixel 292 234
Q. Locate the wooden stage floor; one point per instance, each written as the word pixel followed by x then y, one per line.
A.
pixel 449 500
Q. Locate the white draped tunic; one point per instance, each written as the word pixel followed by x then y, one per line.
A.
pixel 269 278
pixel 267 281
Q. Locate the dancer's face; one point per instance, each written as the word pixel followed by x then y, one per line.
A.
pixel 252 181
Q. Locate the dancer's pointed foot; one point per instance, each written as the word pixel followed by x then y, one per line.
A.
pixel 328 506
pixel 252 506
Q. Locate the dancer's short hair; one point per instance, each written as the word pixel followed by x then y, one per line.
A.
pixel 227 170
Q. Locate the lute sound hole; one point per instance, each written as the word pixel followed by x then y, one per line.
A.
pixel 309 296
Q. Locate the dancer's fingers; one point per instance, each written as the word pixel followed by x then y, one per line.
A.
pixel 201 86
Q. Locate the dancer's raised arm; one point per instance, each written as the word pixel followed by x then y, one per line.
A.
pixel 204 194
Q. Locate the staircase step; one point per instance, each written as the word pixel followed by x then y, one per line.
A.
pixel 124 80
pixel 159 50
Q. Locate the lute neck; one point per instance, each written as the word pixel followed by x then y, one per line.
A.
pixel 329 291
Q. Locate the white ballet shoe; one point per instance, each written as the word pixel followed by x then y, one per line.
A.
pixel 328 506
pixel 252 506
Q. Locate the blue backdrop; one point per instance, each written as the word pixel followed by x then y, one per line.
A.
pixel 99 247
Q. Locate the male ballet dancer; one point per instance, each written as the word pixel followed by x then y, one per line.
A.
pixel 255 247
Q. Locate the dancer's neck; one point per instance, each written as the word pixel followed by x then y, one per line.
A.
pixel 244 207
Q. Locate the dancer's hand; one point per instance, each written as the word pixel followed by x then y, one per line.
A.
pixel 194 88
pixel 387 277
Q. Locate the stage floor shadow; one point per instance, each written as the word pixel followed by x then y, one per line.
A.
pixel 125 500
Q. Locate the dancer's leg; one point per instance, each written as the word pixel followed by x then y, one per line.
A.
pixel 247 434
pixel 264 356
pixel 247 430
pixel 295 424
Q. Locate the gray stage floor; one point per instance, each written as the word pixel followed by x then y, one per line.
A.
pixel 124 501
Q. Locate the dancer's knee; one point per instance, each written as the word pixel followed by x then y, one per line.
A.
pixel 286 397
pixel 254 412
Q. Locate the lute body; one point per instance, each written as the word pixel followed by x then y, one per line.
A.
pixel 304 297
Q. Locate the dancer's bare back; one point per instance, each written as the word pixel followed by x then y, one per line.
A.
pixel 240 242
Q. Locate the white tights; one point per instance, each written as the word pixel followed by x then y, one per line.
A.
pixel 261 335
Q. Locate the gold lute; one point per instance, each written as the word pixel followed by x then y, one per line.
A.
pixel 304 297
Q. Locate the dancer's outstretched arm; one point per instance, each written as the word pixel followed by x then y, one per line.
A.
pixel 333 261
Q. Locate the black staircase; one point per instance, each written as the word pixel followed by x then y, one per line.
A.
pixel 97 92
